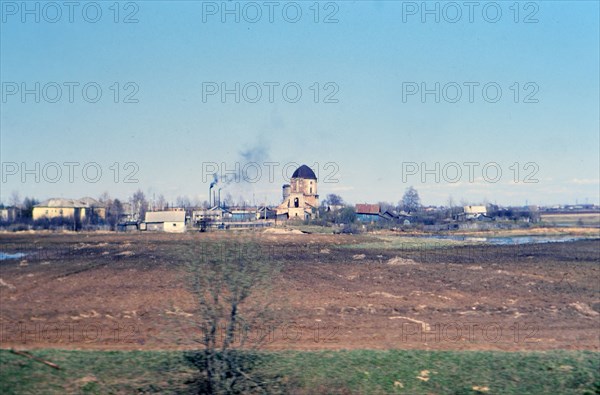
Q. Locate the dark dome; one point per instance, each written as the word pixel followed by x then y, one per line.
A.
pixel 304 172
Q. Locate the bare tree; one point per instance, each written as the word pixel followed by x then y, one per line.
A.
pixel 161 202
pixel 231 282
pixel 228 201
pixel 15 199
pixel 139 205
pixel 183 202
pixel 196 202
pixel 105 198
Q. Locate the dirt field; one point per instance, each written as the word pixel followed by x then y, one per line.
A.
pixel 130 291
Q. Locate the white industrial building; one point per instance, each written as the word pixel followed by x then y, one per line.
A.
pixel 165 221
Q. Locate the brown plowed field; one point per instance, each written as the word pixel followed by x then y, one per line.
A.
pixel 130 291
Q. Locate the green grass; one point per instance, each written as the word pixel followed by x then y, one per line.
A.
pixel 341 372
pixel 93 372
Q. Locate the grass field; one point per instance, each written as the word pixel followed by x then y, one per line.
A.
pixel 337 372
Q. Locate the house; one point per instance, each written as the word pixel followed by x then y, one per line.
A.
pixel 127 215
pixel 373 213
pixel 242 214
pixel 214 214
pixel 165 221
pixel 127 226
pixel 265 212
pixel 367 212
pixel 77 209
pixel 474 212
pixel 9 214
pixel 300 198
pixel 389 215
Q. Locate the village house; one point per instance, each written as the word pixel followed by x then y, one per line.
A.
pixel 9 214
pixel 78 209
pixel 264 213
pixel 214 214
pixel 372 213
pixel 367 212
pixel 474 212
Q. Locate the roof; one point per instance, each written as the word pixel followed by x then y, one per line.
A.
pixel 70 203
pixel 91 202
pixel 304 172
pixel 165 216
pixel 475 209
pixel 238 210
pixel 367 209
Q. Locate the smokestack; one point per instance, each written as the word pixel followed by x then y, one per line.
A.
pixel 220 197
pixel 210 191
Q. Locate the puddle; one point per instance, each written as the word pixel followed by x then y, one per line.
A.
pixel 6 256
pixel 510 240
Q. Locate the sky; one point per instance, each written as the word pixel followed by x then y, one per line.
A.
pixel 489 102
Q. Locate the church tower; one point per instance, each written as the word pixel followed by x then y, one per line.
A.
pixel 300 196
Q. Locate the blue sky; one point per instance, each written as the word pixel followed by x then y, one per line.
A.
pixel 370 57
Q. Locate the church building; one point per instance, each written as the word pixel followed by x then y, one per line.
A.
pixel 300 197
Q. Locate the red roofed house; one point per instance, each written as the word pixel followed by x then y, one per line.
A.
pixel 367 212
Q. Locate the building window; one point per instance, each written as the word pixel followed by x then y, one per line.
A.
pixel 296 203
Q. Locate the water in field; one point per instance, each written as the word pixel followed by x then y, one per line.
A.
pixel 6 256
pixel 510 240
